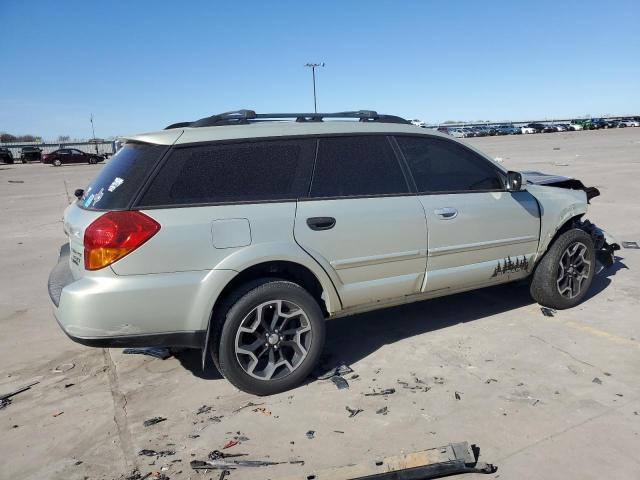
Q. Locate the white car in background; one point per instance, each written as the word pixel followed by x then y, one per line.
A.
pixel 418 123
pixel 630 122
pixel 526 130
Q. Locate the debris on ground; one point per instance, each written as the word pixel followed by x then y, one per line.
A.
pixel 386 391
pixel 311 434
pixel 216 419
pixel 153 421
pixel 353 411
pixel 158 352
pixel 248 405
pixel 230 443
pixel 241 438
pixel 597 380
pixel 57 414
pixel 217 455
pixel 262 410
pixel 340 382
pixel 630 245
pixel 5 398
pixel 547 312
pixel 15 181
pixel 489 380
pixel 134 475
pixel 222 464
pixel 438 380
pixel 203 409
pixel 420 385
pixel 382 411
pixel 64 367
pixel 457 395
pixel 153 453
pixel 339 371
pixel 451 459
pixel 67 385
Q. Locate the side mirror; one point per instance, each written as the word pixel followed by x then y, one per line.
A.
pixel 514 182
pixel 78 193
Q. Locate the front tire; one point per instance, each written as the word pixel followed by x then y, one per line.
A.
pixel 564 275
pixel 57 163
pixel 271 337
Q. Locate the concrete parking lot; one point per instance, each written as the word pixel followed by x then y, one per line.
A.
pixel 545 397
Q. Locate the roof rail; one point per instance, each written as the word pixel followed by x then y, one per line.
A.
pixel 241 117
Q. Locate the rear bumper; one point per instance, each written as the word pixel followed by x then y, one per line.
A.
pixel 168 309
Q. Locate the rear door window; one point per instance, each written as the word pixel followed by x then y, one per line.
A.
pixel 255 171
pixel 121 178
pixel 357 166
pixel 439 165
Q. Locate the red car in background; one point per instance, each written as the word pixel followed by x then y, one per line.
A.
pixel 70 155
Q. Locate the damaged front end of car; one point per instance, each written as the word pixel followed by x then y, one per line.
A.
pixel 604 244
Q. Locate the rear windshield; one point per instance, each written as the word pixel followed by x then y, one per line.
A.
pixel 122 177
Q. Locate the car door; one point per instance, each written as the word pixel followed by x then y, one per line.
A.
pixel 478 232
pixel 77 156
pixel 360 221
pixel 65 156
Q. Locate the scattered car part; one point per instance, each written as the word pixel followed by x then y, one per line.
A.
pixel 386 391
pixel 633 245
pixel 158 352
pixel 153 453
pixel 340 370
pixel 340 382
pixel 153 421
pixel 5 398
pixel 451 459
pixel 353 411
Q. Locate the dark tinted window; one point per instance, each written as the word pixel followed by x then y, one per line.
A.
pixel 240 172
pixel 122 176
pixel 349 166
pixel 445 166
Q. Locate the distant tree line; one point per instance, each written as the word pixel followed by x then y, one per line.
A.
pixel 8 138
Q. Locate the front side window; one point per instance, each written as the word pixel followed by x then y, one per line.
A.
pixel 439 165
pixel 356 166
pixel 237 172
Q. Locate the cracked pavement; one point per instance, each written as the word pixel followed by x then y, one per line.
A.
pixel 525 381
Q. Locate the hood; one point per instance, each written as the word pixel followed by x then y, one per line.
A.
pixel 559 181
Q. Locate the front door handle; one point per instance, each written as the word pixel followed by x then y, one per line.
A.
pixel 321 223
pixel 446 213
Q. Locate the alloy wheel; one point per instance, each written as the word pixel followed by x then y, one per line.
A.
pixel 273 340
pixel 573 269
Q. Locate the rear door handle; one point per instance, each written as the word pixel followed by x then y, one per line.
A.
pixel 446 213
pixel 321 223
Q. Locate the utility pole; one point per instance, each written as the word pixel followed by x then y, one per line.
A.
pixel 313 67
pixel 94 133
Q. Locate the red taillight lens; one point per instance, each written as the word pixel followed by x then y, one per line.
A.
pixel 114 235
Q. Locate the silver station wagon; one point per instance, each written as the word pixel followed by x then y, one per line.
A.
pixel 240 233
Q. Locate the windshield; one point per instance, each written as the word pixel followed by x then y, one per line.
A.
pixel 121 178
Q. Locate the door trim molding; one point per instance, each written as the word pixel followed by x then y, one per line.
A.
pixel 376 259
pixel 435 252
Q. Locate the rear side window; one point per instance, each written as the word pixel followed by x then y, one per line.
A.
pixel 444 166
pixel 122 176
pixel 357 166
pixel 238 172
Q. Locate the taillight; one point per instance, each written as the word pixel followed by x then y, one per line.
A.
pixel 114 235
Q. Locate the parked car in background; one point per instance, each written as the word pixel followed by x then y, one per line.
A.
pixel 575 126
pixel 31 154
pixel 479 131
pixel 630 122
pixel 548 128
pixel 507 130
pixel 70 155
pixel 461 132
pixel 6 156
pixel 469 131
pixel 614 124
pixel 585 123
pixel 560 127
pixel 598 123
pixel 418 123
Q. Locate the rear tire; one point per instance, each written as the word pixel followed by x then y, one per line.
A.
pixel 268 336
pixel 92 161
pixel 564 275
pixel 57 163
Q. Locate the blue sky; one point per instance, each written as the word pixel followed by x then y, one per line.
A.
pixel 138 65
